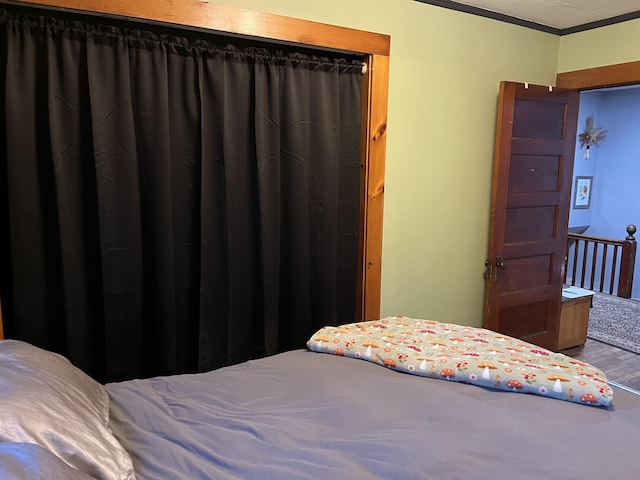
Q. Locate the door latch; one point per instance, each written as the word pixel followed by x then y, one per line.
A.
pixel 488 265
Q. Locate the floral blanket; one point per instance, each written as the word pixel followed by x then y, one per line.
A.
pixel 466 354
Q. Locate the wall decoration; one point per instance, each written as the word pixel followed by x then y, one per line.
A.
pixel 582 193
pixel 592 135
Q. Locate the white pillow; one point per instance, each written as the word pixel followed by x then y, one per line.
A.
pixel 28 461
pixel 45 400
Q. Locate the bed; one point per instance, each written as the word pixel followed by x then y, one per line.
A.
pixel 336 409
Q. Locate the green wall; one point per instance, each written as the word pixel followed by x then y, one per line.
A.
pixel 444 77
pixel 603 46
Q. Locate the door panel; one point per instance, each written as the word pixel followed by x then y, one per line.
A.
pixel 529 224
pixel 533 119
pixel 533 173
pixel 524 321
pixel 533 163
pixel 526 270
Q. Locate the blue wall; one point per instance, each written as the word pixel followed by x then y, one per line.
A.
pixel 614 165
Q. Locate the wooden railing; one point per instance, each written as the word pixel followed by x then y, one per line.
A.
pixel 599 264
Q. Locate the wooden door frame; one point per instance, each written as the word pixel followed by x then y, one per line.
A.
pixel 236 21
pixel 600 77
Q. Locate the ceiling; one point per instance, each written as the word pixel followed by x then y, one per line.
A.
pixel 554 16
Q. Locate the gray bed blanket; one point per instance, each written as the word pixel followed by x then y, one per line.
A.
pixel 310 415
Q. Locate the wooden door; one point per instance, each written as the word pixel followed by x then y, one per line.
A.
pixel 533 165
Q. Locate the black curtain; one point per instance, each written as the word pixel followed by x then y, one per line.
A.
pixel 171 202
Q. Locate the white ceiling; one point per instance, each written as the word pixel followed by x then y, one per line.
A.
pixel 559 14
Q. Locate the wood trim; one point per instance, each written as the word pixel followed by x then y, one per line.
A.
pixel 225 19
pixel 221 18
pixel 599 77
pixel 376 140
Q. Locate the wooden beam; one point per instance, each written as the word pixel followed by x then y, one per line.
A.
pixel 599 77
pixel 221 18
pixel 376 144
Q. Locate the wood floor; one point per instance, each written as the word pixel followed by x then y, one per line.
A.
pixel 619 365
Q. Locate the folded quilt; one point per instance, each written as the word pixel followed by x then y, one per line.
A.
pixel 466 354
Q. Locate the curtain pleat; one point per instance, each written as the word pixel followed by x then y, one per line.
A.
pixel 173 204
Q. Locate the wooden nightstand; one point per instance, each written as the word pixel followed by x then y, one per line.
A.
pixel 574 317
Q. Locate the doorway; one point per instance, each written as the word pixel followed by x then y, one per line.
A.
pixel 541 294
pixel 610 168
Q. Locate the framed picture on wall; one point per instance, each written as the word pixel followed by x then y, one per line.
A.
pixel 582 192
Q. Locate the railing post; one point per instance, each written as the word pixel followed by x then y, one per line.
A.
pixel 627 263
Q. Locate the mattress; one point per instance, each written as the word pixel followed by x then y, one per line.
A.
pixel 303 414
